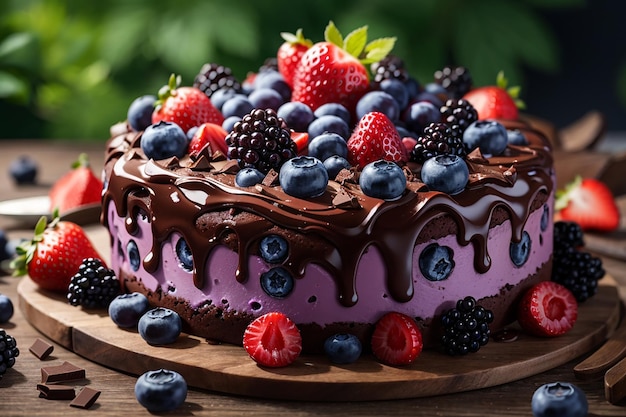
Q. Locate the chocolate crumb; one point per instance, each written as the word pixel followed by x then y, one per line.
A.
pixel 85 398
pixel 41 349
pixel 271 178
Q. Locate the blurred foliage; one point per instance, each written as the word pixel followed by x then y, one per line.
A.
pixel 70 68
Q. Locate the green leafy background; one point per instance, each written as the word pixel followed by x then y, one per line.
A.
pixel 69 69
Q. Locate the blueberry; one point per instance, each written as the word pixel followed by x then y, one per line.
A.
pixel 559 399
pixel 434 99
pixel 164 140
pixel 273 248
pixel 4 246
pixel 183 252
pixel 126 309
pixel 343 348
pixel 192 132
pixel 221 95
pixel 382 179
pixel 435 89
pixel 334 164
pixel 297 115
pixel 436 262
pixel 239 106
pixel 133 255
pixel 161 390
pixel 277 282
pixel 516 137
pixel 379 101
pixel 23 170
pixel 413 87
pixel 275 81
pixel 303 177
pixel 446 173
pixel 6 308
pixel 333 109
pixel 545 218
pixel 488 135
pixel 419 115
pixel 229 123
pixel 139 113
pixel 265 98
pixel 160 326
pixel 396 89
pixel 405 133
pixel 519 251
pixel 326 145
pixel 247 177
pixel 331 124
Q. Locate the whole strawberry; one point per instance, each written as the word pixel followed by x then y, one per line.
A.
pixel 78 187
pixel 334 71
pixel 496 101
pixel 186 106
pixel 290 52
pixel 375 137
pixel 54 254
pixel 590 203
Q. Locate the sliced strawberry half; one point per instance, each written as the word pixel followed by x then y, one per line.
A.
pixel 302 141
pixel 590 203
pixel 208 134
pixel 273 340
pixel 396 339
pixel 547 309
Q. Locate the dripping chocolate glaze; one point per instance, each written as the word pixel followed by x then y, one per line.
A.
pixel 178 200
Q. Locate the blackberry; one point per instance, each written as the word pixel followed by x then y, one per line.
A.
pixel 456 80
pixel 93 286
pixel 8 352
pixel 389 67
pixel 458 114
pixel 437 139
pixel 576 270
pixel 466 327
pixel 213 76
pixel 261 140
pixel 567 235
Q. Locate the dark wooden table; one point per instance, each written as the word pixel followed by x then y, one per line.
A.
pixel 19 396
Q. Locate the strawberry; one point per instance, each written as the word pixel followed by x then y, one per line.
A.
pixel 54 254
pixel 302 141
pixel 496 101
pixel 290 52
pixel 76 188
pixel 208 134
pixel 272 340
pixel 396 339
pixel 334 70
pixel 185 106
pixel 375 137
pixel 547 309
pixel 590 203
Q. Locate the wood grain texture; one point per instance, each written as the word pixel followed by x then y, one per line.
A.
pixel 228 369
pixel 608 355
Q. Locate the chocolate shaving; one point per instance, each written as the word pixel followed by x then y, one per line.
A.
pixel 227 167
pixel 169 163
pixel 201 164
pixel 41 349
pixel 271 179
pixel 345 200
pixel 218 156
pixel 476 156
pixel 85 398
pixel 56 392
pixel 346 175
pixel 61 373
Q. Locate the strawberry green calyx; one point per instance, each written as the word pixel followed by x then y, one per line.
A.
pixel 563 196
pixel 297 38
pixel 167 90
pixel 513 91
pixel 26 250
pixel 82 161
pixel 356 44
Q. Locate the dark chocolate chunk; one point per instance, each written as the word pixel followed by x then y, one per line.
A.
pixel 56 392
pixel 41 349
pixel 60 373
pixel 85 398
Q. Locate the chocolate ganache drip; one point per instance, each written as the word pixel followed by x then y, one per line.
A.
pixel 178 196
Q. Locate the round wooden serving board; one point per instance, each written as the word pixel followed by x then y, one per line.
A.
pixel 228 369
